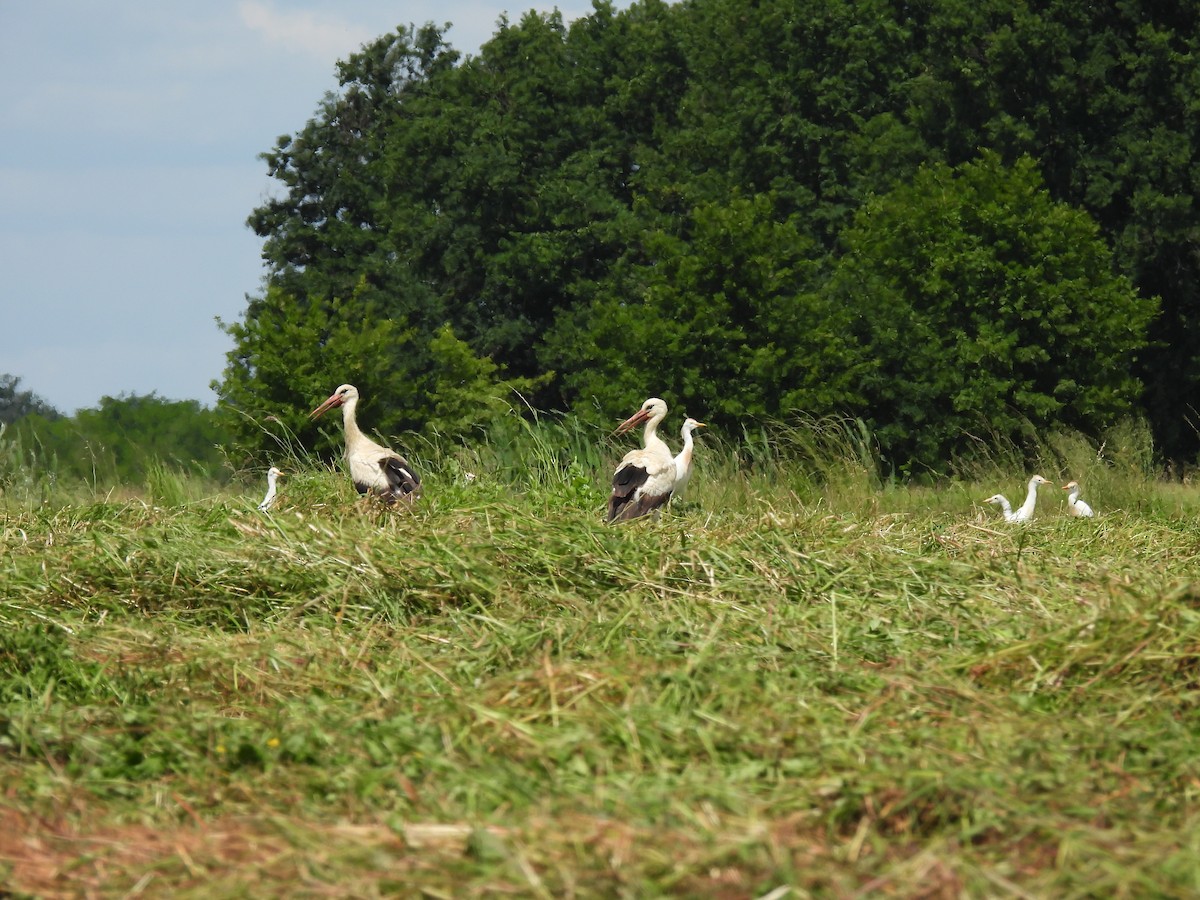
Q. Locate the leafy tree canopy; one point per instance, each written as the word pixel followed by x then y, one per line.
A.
pixel 717 316
pixel 982 305
pixel 658 196
pixel 16 404
pixel 121 439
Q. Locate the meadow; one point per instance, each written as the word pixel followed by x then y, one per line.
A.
pixel 807 680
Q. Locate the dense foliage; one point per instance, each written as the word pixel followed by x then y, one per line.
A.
pixel 680 200
pixel 977 298
pixel 16 404
pixel 122 441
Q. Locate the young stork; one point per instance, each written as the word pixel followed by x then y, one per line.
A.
pixel 373 469
pixel 645 478
pixel 272 477
pixel 1076 506
pixel 683 462
pixel 1025 513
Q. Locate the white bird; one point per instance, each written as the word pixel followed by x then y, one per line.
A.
pixel 373 469
pixel 1005 507
pixel 272 477
pixel 1076 506
pixel 645 478
pixel 683 461
pixel 1025 513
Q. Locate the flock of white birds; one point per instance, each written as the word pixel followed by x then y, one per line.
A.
pixel 1024 513
pixel 645 480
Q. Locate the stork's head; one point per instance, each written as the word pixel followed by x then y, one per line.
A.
pixel 343 394
pixel 274 472
pixel 995 498
pixel 1069 485
pixel 1038 480
pixel 652 409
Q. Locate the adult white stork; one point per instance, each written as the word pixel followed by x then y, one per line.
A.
pixel 1025 513
pixel 272 478
pixel 373 469
pixel 683 461
pixel 645 478
pixel 1076 506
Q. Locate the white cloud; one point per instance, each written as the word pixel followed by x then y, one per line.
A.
pixel 325 37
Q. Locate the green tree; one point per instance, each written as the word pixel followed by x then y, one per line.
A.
pixel 291 355
pixel 1106 98
pixel 466 393
pixel 16 404
pixel 983 306
pixel 718 316
pixel 324 234
pixel 119 441
pixel 517 194
pixel 508 180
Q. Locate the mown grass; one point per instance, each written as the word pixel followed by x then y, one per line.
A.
pixel 810 680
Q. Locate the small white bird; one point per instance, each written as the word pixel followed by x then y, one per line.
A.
pixel 272 477
pixel 373 469
pixel 683 461
pixel 1076 506
pixel 645 478
pixel 1025 513
pixel 1005 507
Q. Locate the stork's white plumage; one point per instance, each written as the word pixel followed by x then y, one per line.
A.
pixel 272 479
pixel 645 478
pixel 1076 506
pixel 683 460
pixel 1025 512
pixel 373 469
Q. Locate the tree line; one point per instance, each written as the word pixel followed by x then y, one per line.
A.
pixel 947 218
pixel 118 442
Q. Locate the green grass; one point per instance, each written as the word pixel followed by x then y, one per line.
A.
pixel 808 677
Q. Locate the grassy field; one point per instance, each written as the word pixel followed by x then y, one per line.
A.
pixel 803 682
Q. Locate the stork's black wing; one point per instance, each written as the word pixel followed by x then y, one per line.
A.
pixel 405 484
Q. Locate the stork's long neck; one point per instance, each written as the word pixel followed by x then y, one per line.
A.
pixel 1030 499
pixel 1073 496
pixel 350 423
pixel 651 439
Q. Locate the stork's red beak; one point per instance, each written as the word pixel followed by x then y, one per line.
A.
pixel 334 400
pixel 633 421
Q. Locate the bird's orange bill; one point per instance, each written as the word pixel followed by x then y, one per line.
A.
pixel 335 399
pixel 633 421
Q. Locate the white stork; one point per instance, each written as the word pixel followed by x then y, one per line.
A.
pixel 272 477
pixel 1025 513
pixel 645 478
pixel 1076 506
pixel 683 461
pixel 373 469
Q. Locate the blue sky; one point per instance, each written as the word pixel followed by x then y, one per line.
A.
pixel 129 163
